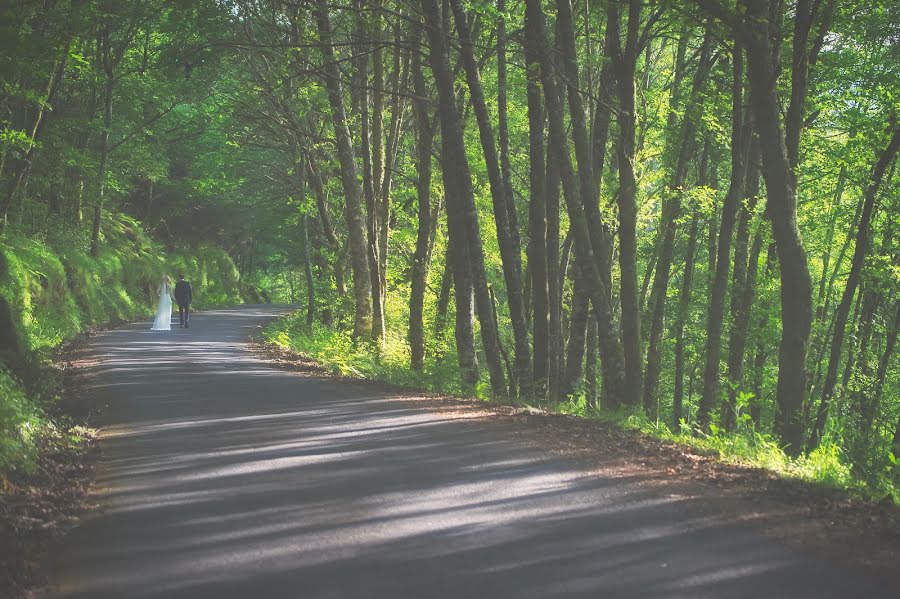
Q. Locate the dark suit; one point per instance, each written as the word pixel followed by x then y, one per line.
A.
pixel 184 296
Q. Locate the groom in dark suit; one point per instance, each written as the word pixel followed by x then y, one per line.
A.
pixel 184 296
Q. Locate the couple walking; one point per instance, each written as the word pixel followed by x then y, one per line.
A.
pixel 183 296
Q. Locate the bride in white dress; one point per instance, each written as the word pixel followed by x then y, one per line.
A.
pixel 163 320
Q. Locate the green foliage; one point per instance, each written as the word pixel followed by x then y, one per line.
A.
pixel 336 351
pixel 18 420
pixel 54 290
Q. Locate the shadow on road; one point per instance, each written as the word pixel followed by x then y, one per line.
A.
pixel 224 477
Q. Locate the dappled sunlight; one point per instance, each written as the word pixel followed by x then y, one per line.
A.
pixel 267 484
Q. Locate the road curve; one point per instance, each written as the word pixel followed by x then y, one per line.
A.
pixel 223 477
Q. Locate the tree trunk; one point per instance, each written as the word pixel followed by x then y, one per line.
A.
pixel 590 362
pixel 370 154
pixel 684 298
pixel 307 269
pixel 742 289
pixel 863 310
pixel 443 300
pixel 376 217
pixel 624 63
pixel 421 258
pixel 590 154
pixel 325 218
pixel 108 84
pixel 759 361
pixel 537 226
pixel 872 405
pixel 536 38
pixel 577 333
pixel 461 210
pixel 362 289
pixel 671 213
pixel 829 239
pixel 20 174
pixel 509 252
pixel 554 265
pixel 739 137
pixel 779 155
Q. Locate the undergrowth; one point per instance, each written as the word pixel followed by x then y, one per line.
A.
pixel 828 465
pixel 51 289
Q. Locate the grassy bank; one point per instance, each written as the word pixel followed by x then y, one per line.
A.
pixel 52 289
pixel 827 465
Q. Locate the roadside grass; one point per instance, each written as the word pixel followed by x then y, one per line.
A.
pixel 828 465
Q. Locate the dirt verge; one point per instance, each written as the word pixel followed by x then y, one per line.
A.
pixel 40 504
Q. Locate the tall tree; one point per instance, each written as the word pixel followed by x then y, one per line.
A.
pixel 461 210
pixel 740 135
pixel 509 249
pixel 353 212
pixel 424 141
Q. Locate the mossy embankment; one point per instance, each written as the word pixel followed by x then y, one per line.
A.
pixel 52 289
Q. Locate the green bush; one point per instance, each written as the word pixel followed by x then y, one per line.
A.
pixel 336 351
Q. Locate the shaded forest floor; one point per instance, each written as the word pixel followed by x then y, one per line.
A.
pixel 819 519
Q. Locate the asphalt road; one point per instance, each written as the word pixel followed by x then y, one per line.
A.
pixel 224 477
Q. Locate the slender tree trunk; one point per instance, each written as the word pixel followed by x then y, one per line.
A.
pixel 537 225
pixel 536 36
pixel 108 84
pixel 398 89
pixel 590 362
pixel 872 405
pixel 671 213
pixel 461 210
pixel 19 178
pixel 577 333
pixel 526 384
pixel 684 298
pixel 554 265
pixel 370 158
pixel 443 300
pixel 895 445
pixel 509 251
pixel 624 62
pixel 742 289
pixel 376 220
pixel 839 262
pixel 863 310
pixel 362 289
pixel 796 285
pixel 325 218
pixel 739 137
pixel 421 258
pixel 829 240
pixel 503 136
pixel 307 269
pixel 510 372
pixel 761 355
pixel 843 310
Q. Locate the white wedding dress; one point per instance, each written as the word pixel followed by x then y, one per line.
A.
pixel 163 320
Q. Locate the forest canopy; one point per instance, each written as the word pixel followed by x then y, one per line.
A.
pixel 684 212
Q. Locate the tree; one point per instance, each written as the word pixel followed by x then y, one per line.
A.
pixel 362 327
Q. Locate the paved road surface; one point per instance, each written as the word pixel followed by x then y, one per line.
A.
pixel 223 477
